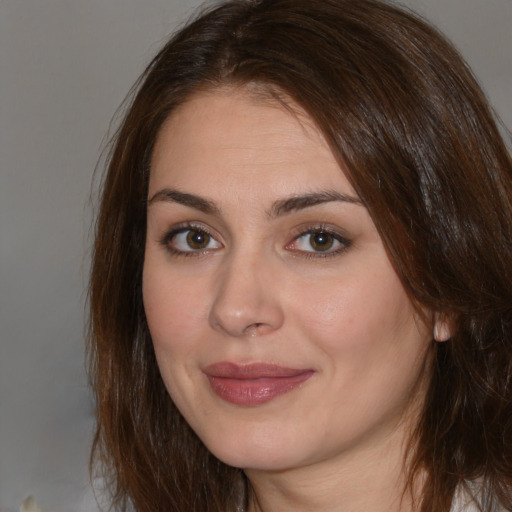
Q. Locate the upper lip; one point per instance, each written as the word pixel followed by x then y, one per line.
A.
pixel 229 370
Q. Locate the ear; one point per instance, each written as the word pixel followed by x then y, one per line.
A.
pixel 443 327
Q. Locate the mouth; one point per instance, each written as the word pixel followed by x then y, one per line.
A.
pixel 253 384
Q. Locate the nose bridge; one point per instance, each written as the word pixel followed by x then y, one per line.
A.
pixel 245 301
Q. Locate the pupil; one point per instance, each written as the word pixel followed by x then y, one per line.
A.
pixel 197 239
pixel 321 241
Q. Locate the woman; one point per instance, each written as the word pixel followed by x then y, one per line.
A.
pixel 301 288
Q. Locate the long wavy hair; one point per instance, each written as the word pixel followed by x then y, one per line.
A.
pixel 415 135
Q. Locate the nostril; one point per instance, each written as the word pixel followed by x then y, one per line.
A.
pixel 255 329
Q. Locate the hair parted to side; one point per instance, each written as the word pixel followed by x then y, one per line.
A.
pixel 414 134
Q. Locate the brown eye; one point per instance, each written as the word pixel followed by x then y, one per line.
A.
pixel 198 240
pixel 190 240
pixel 321 241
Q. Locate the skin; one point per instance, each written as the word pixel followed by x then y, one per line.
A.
pixel 259 290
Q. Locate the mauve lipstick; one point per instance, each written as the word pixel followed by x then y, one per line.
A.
pixel 253 384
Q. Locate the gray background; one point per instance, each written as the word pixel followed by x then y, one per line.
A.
pixel 65 66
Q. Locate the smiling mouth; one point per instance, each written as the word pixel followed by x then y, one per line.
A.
pixel 253 384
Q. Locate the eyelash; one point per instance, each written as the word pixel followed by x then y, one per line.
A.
pixel 167 239
pixel 344 243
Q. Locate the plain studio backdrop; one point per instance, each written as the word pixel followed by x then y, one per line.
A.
pixel 65 66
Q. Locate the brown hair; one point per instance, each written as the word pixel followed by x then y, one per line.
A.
pixel 413 131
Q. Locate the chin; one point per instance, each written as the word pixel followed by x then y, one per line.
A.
pixel 262 450
pixel 257 460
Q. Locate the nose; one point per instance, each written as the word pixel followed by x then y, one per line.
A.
pixel 247 300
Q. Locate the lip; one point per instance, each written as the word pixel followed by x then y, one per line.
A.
pixel 253 384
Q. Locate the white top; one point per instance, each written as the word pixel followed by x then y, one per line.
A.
pixel 463 505
pixel 464 502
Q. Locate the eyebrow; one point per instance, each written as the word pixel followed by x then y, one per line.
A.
pixel 278 209
pixel 301 202
pixel 191 200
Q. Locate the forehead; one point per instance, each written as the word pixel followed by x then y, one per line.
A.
pixel 240 138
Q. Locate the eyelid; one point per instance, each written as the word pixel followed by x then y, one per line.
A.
pixel 171 233
pixel 311 229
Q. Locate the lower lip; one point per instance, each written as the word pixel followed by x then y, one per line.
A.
pixel 251 392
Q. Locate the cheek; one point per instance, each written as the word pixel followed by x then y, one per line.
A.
pixel 374 350
pixel 362 318
pixel 172 308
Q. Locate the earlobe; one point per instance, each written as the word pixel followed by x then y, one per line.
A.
pixel 443 327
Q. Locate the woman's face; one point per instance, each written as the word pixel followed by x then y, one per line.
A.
pixel 280 328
